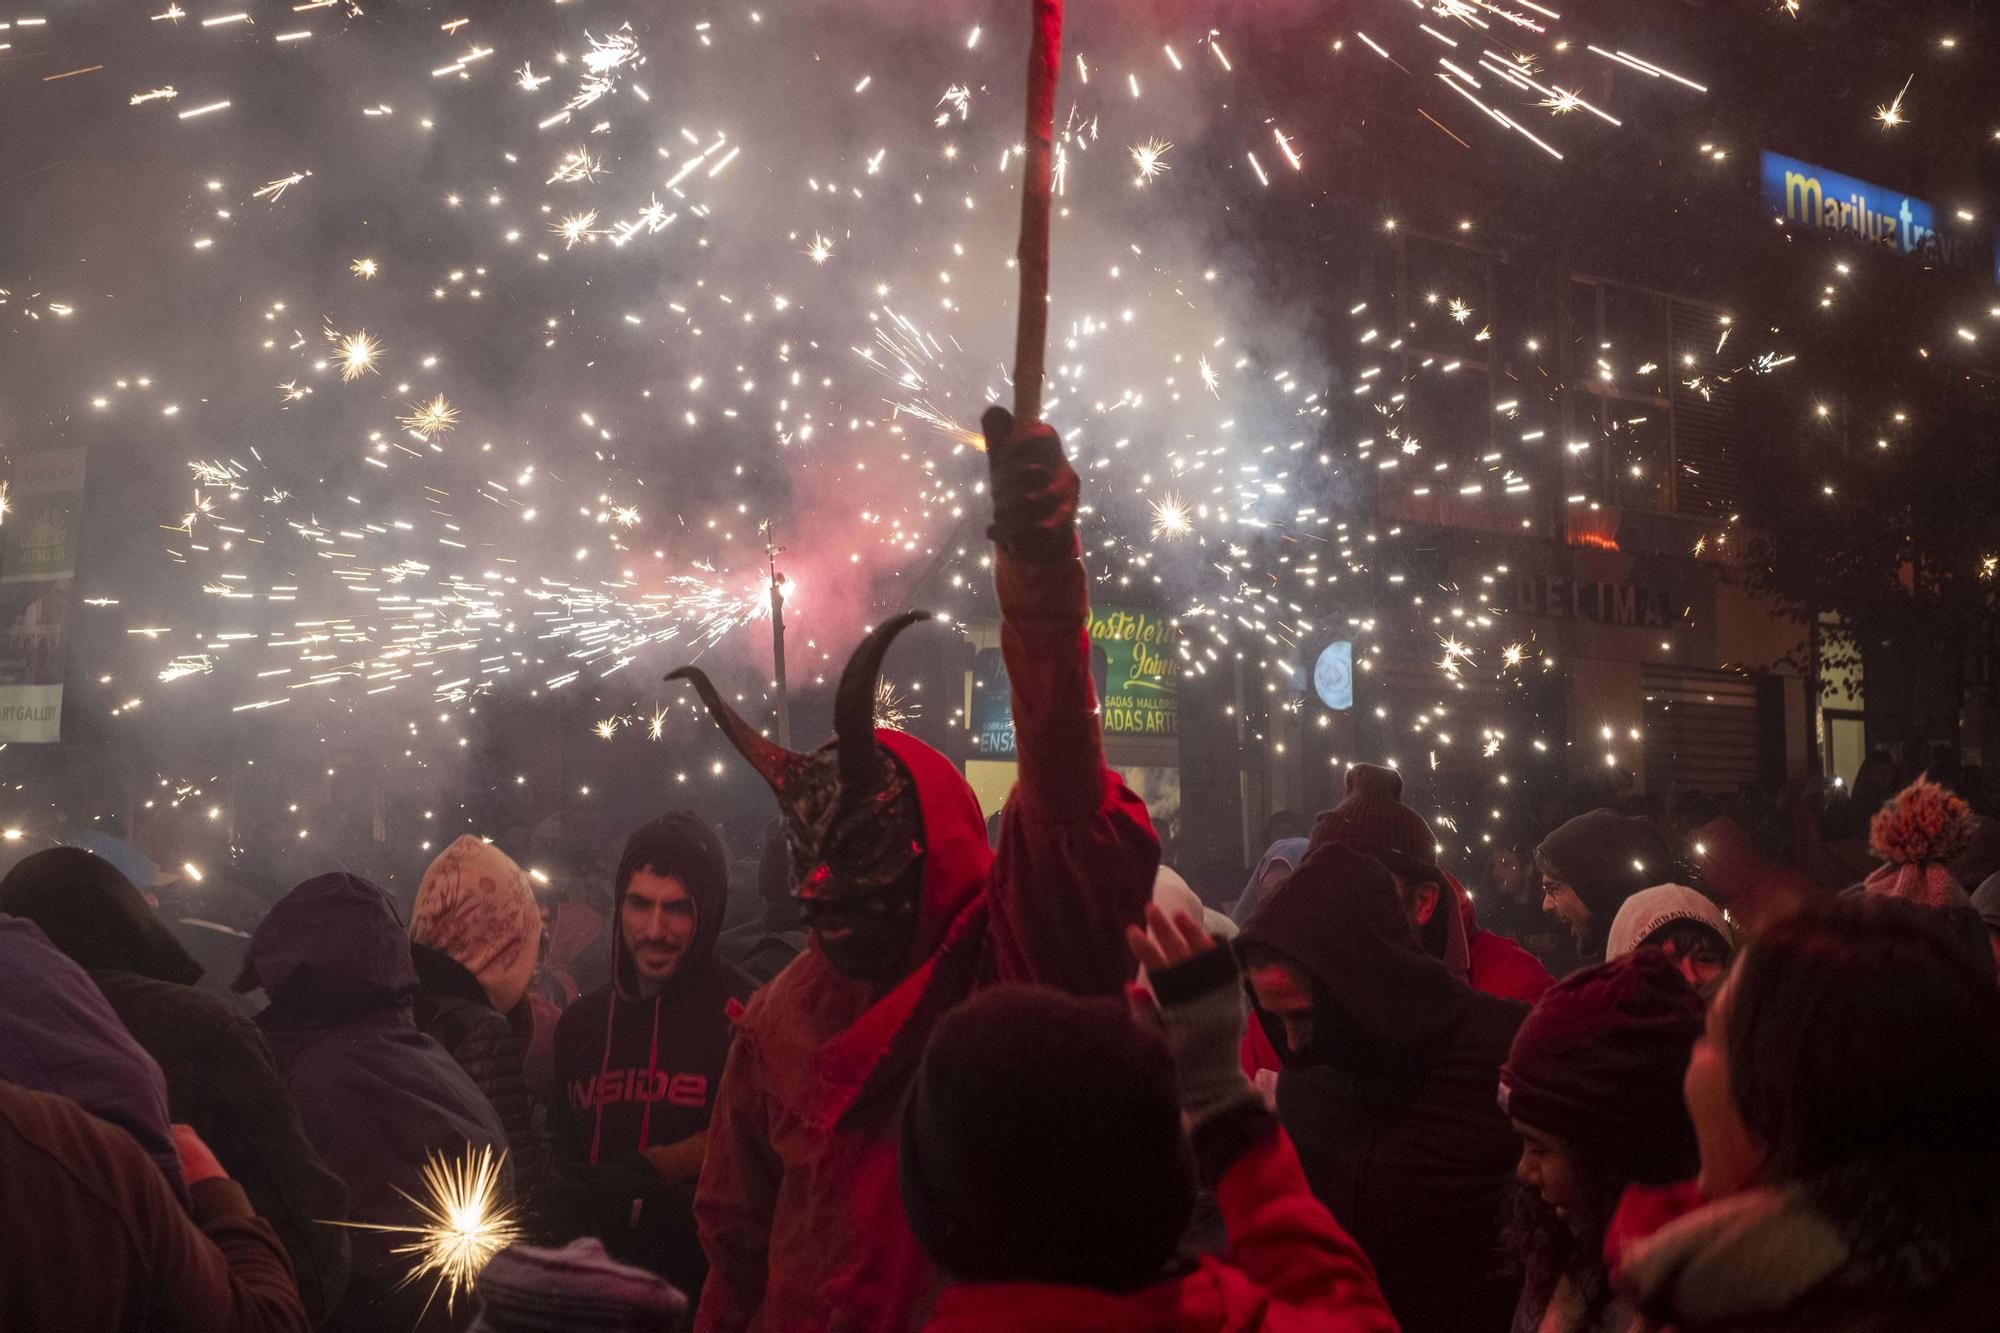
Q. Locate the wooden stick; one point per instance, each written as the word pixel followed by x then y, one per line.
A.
pixel 1031 329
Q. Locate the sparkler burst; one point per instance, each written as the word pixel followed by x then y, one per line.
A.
pixel 1149 158
pixel 364 268
pixel 1890 114
pixel 357 353
pixel 893 709
pixel 464 1222
pixel 1172 518
pixel 428 420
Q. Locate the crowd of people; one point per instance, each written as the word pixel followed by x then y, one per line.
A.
pixel 1028 1080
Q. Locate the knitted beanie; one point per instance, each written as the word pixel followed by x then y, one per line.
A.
pixel 523 1289
pixel 1373 820
pixel 475 906
pixel 1606 857
pixel 1917 834
pixel 1599 1063
pixel 1042 1142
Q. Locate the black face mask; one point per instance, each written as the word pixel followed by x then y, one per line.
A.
pixel 866 938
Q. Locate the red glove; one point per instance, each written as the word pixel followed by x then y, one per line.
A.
pixel 1034 489
pixel 197 1162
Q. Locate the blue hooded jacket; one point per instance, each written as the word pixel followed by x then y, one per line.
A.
pixel 378 1096
pixel 58 1035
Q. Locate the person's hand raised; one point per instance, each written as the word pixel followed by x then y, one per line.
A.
pixel 1167 941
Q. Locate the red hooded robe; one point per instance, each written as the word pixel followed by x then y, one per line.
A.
pixel 798 1206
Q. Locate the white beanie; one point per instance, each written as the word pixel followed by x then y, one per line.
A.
pixel 1649 910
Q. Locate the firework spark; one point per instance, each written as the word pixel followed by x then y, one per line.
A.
pixel 1149 158
pixel 364 268
pixel 465 1222
pixel 893 709
pixel 357 352
pixel 437 417
pixel 1891 115
pixel 1172 518
pixel 273 191
pixel 577 227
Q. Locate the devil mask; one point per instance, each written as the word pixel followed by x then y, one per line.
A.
pixel 851 817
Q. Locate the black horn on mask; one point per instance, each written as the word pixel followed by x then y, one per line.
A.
pixel 774 763
pixel 854 703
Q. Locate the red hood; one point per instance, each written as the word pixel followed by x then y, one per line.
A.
pixel 956 857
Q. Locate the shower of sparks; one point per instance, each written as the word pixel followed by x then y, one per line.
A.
pixel 576 165
pixel 656 726
pixel 273 191
pixel 528 80
pixel 608 728
pixel 1172 519
pixel 465 1222
pixel 163 94
pixel 437 417
pixel 292 391
pixel 1150 157
pixel 364 268
pixel 626 516
pixel 191 664
pixel 357 352
pixel 1513 654
pixel 1891 115
pixel 820 250
pixel 1459 310
pixel 956 98
pixel 893 709
pixel 1209 379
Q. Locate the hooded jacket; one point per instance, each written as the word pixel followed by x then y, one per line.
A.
pixel 57 1034
pixel 1392 1106
pixel 220 1075
pixel 475 934
pixel 800 1210
pixel 634 1073
pixel 379 1097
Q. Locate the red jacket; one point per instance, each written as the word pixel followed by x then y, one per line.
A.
pixel 799 1208
pixel 1497 965
pixel 1290 1269
pixel 94 1238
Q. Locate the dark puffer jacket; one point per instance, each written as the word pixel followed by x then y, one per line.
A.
pixel 451 1009
pixel 220 1076
pixel 380 1099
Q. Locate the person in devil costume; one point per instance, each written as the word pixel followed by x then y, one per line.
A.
pixel 798 1206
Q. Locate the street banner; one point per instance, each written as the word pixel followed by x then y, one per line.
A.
pixel 38 543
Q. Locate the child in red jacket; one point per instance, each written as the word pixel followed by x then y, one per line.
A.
pixel 1046 1168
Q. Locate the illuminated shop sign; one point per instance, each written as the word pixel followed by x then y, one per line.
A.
pixel 1810 196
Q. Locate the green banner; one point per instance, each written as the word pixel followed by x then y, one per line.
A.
pixel 1138 682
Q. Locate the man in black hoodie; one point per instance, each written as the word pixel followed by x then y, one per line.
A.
pixel 638 1060
pixel 1388 1089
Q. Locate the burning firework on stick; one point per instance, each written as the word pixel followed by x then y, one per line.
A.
pixel 1037 184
